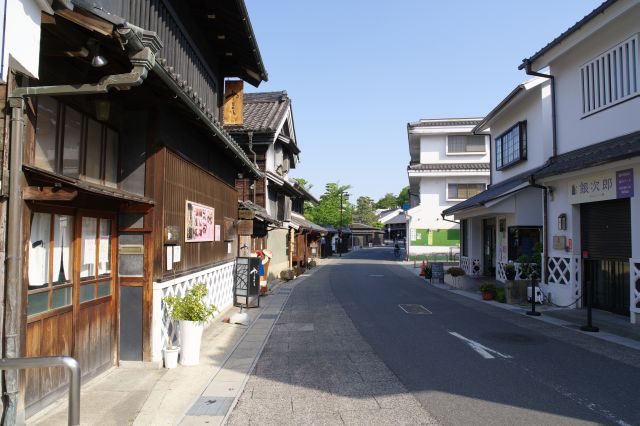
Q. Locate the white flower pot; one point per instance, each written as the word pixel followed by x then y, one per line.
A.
pixel 190 338
pixel 171 357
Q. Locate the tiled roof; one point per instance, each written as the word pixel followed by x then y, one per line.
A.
pixel 449 166
pixel 303 222
pixel 615 149
pixel 260 211
pixel 597 11
pixel 263 112
pixel 445 122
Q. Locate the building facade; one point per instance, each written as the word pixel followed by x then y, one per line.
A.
pixel 448 164
pixel 127 180
pixel 579 124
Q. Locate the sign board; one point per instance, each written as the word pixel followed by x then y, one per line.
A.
pixel 233 99
pixel 437 271
pixel 245 227
pixel 559 242
pixel 607 185
pixel 246 214
pixel 198 222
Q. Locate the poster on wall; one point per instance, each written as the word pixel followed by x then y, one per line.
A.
pixel 198 225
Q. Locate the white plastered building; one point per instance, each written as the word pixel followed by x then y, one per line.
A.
pixel 448 164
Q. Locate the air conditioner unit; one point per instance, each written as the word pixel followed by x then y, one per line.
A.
pixel 538 294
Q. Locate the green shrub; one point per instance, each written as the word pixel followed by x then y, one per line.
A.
pixel 510 271
pixel 191 307
pixel 455 271
pixel 500 295
pixel 488 287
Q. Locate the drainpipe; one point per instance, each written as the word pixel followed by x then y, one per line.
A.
pixel 142 62
pixel 526 65
pixel 250 134
pixel 545 227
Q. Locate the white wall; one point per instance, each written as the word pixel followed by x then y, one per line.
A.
pixel 21 37
pixel 535 109
pixel 277 243
pixel 574 131
pixel 433 149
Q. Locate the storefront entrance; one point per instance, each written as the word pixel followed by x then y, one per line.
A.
pixel 606 249
pixel 70 296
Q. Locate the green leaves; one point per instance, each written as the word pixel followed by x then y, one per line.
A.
pixel 327 212
pixel 191 307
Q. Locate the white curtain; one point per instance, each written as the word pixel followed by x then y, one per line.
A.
pixel 62 240
pixel 39 250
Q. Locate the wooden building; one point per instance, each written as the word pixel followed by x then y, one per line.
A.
pixel 266 131
pixel 128 178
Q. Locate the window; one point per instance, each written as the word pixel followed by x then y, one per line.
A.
pixel 95 258
pixel 462 191
pixel 50 261
pixel 465 144
pixel 523 241
pixel 464 237
pixel 511 146
pixel 71 143
pixel 611 77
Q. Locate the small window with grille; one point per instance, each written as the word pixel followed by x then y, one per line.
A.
pixel 611 78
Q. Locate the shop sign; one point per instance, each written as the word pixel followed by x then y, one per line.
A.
pixel 602 186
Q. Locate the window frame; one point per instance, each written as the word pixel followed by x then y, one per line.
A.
pixel 522 146
pixel 449 198
pixel 59 143
pixel 484 151
pixel 50 286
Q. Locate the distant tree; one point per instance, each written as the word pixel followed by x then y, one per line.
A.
pixel 365 211
pixel 403 196
pixel 308 205
pixel 327 212
pixel 389 201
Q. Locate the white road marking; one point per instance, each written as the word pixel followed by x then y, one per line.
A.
pixel 375 275
pixel 485 352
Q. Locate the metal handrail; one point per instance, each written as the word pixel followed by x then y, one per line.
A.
pixel 53 361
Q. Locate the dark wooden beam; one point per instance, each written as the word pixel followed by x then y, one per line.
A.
pixel 48 193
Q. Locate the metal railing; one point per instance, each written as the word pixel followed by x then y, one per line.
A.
pixel 53 361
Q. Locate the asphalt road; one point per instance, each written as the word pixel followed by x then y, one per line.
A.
pixel 469 363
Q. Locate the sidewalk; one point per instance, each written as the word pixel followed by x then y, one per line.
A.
pixel 192 395
pixel 613 328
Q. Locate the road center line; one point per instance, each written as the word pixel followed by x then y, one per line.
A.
pixel 485 352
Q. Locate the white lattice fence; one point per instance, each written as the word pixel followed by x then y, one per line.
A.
pixel 500 274
pixel 634 305
pixel 471 266
pixel 559 270
pixel 219 282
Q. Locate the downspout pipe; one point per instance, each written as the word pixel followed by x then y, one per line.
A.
pixel 142 62
pixel 545 226
pixel 255 163
pixel 526 65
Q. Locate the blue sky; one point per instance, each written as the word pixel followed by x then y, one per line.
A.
pixel 358 71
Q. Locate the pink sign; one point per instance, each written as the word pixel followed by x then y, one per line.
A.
pixel 199 226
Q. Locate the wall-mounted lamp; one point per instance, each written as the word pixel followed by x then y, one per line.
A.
pixel 562 222
pixel 94 48
pixel 103 107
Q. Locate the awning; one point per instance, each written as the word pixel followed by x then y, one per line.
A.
pixel 494 192
pixel 301 222
pixel 260 212
pixel 39 177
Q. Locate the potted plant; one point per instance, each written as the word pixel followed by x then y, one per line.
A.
pixel 455 272
pixel 426 272
pixel 488 290
pixel 192 312
pixel 171 351
pixel 512 293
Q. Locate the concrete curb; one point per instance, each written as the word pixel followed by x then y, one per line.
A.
pixel 602 335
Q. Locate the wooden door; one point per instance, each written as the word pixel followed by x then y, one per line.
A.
pixel 95 317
